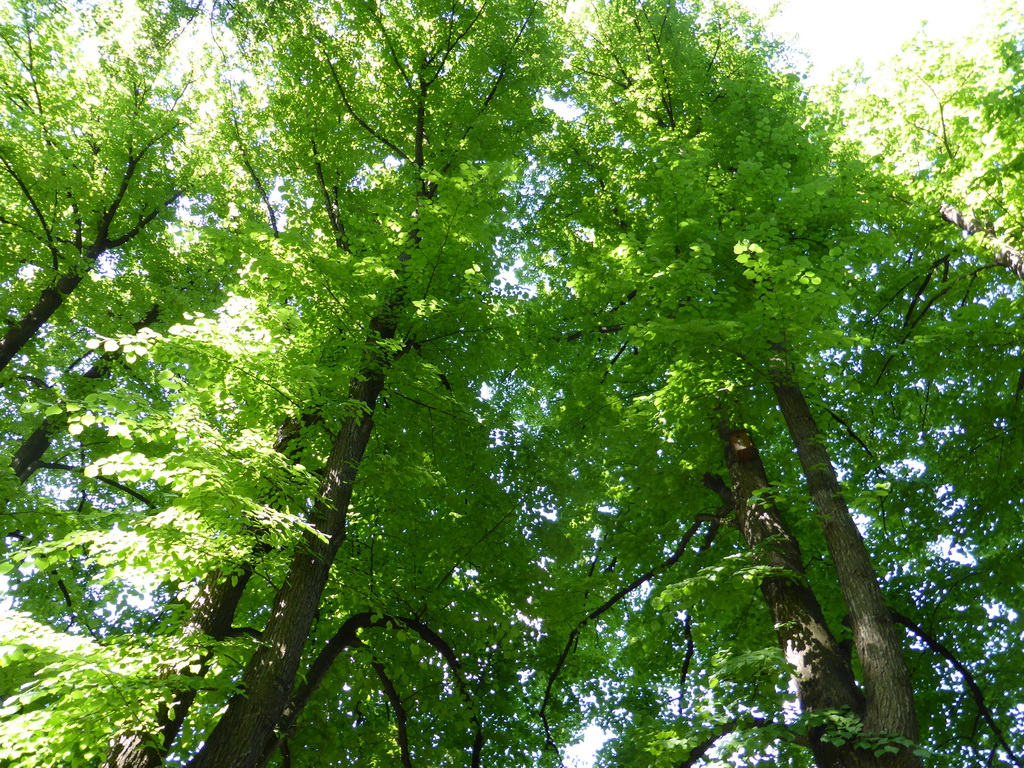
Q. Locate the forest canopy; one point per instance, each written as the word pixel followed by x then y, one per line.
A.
pixel 433 383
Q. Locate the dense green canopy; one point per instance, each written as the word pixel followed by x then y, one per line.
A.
pixel 429 383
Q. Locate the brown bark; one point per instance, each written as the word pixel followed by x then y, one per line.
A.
pixel 212 614
pixel 269 677
pixel 889 693
pixel 347 637
pixel 1005 255
pixel 49 301
pixel 822 671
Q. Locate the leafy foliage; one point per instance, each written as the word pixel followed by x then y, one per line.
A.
pixel 320 322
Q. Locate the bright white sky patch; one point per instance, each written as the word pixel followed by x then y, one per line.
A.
pixel 583 754
pixel 836 33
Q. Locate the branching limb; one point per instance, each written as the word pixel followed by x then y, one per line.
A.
pixel 36 210
pixel 1005 255
pixel 604 608
pixel 969 680
pixel 141 224
pixel 101 478
pixel 32 448
pixel 330 201
pixel 347 637
pixel 684 670
pixel 74 612
pixel 257 181
pixel 698 752
pixel 343 93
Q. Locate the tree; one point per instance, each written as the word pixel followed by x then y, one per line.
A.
pixel 88 162
pixel 944 303
pixel 701 105
pixel 415 424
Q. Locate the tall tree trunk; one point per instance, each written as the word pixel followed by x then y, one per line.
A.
pixel 822 671
pixel 212 614
pixel 268 680
pixel 890 698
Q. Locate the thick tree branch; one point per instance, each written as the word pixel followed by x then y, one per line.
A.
pixel 1005 255
pixel 212 613
pixel 684 668
pixel 343 92
pixel 51 298
pixel 269 677
pixel 822 672
pixel 36 210
pixel 143 221
pixel 32 448
pixel 330 202
pixel 401 716
pixel 255 178
pixel 107 220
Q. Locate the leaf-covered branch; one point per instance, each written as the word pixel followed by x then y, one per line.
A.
pixel 1005 255
pixel 607 605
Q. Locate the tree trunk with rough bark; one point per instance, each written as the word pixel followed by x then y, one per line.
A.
pixel 822 672
pixel 212 614
pixel 890 709
pixel 238 739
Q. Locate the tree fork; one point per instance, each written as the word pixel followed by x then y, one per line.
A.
pixel 213 612
pixel 823 675
pixel 890 706
pixel 347 637
pixel 51 298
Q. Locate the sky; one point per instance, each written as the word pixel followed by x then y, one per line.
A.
pixel 837 33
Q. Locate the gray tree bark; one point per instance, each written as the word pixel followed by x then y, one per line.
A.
pixel 889 709
pixel 1005 255
pixel 822 671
